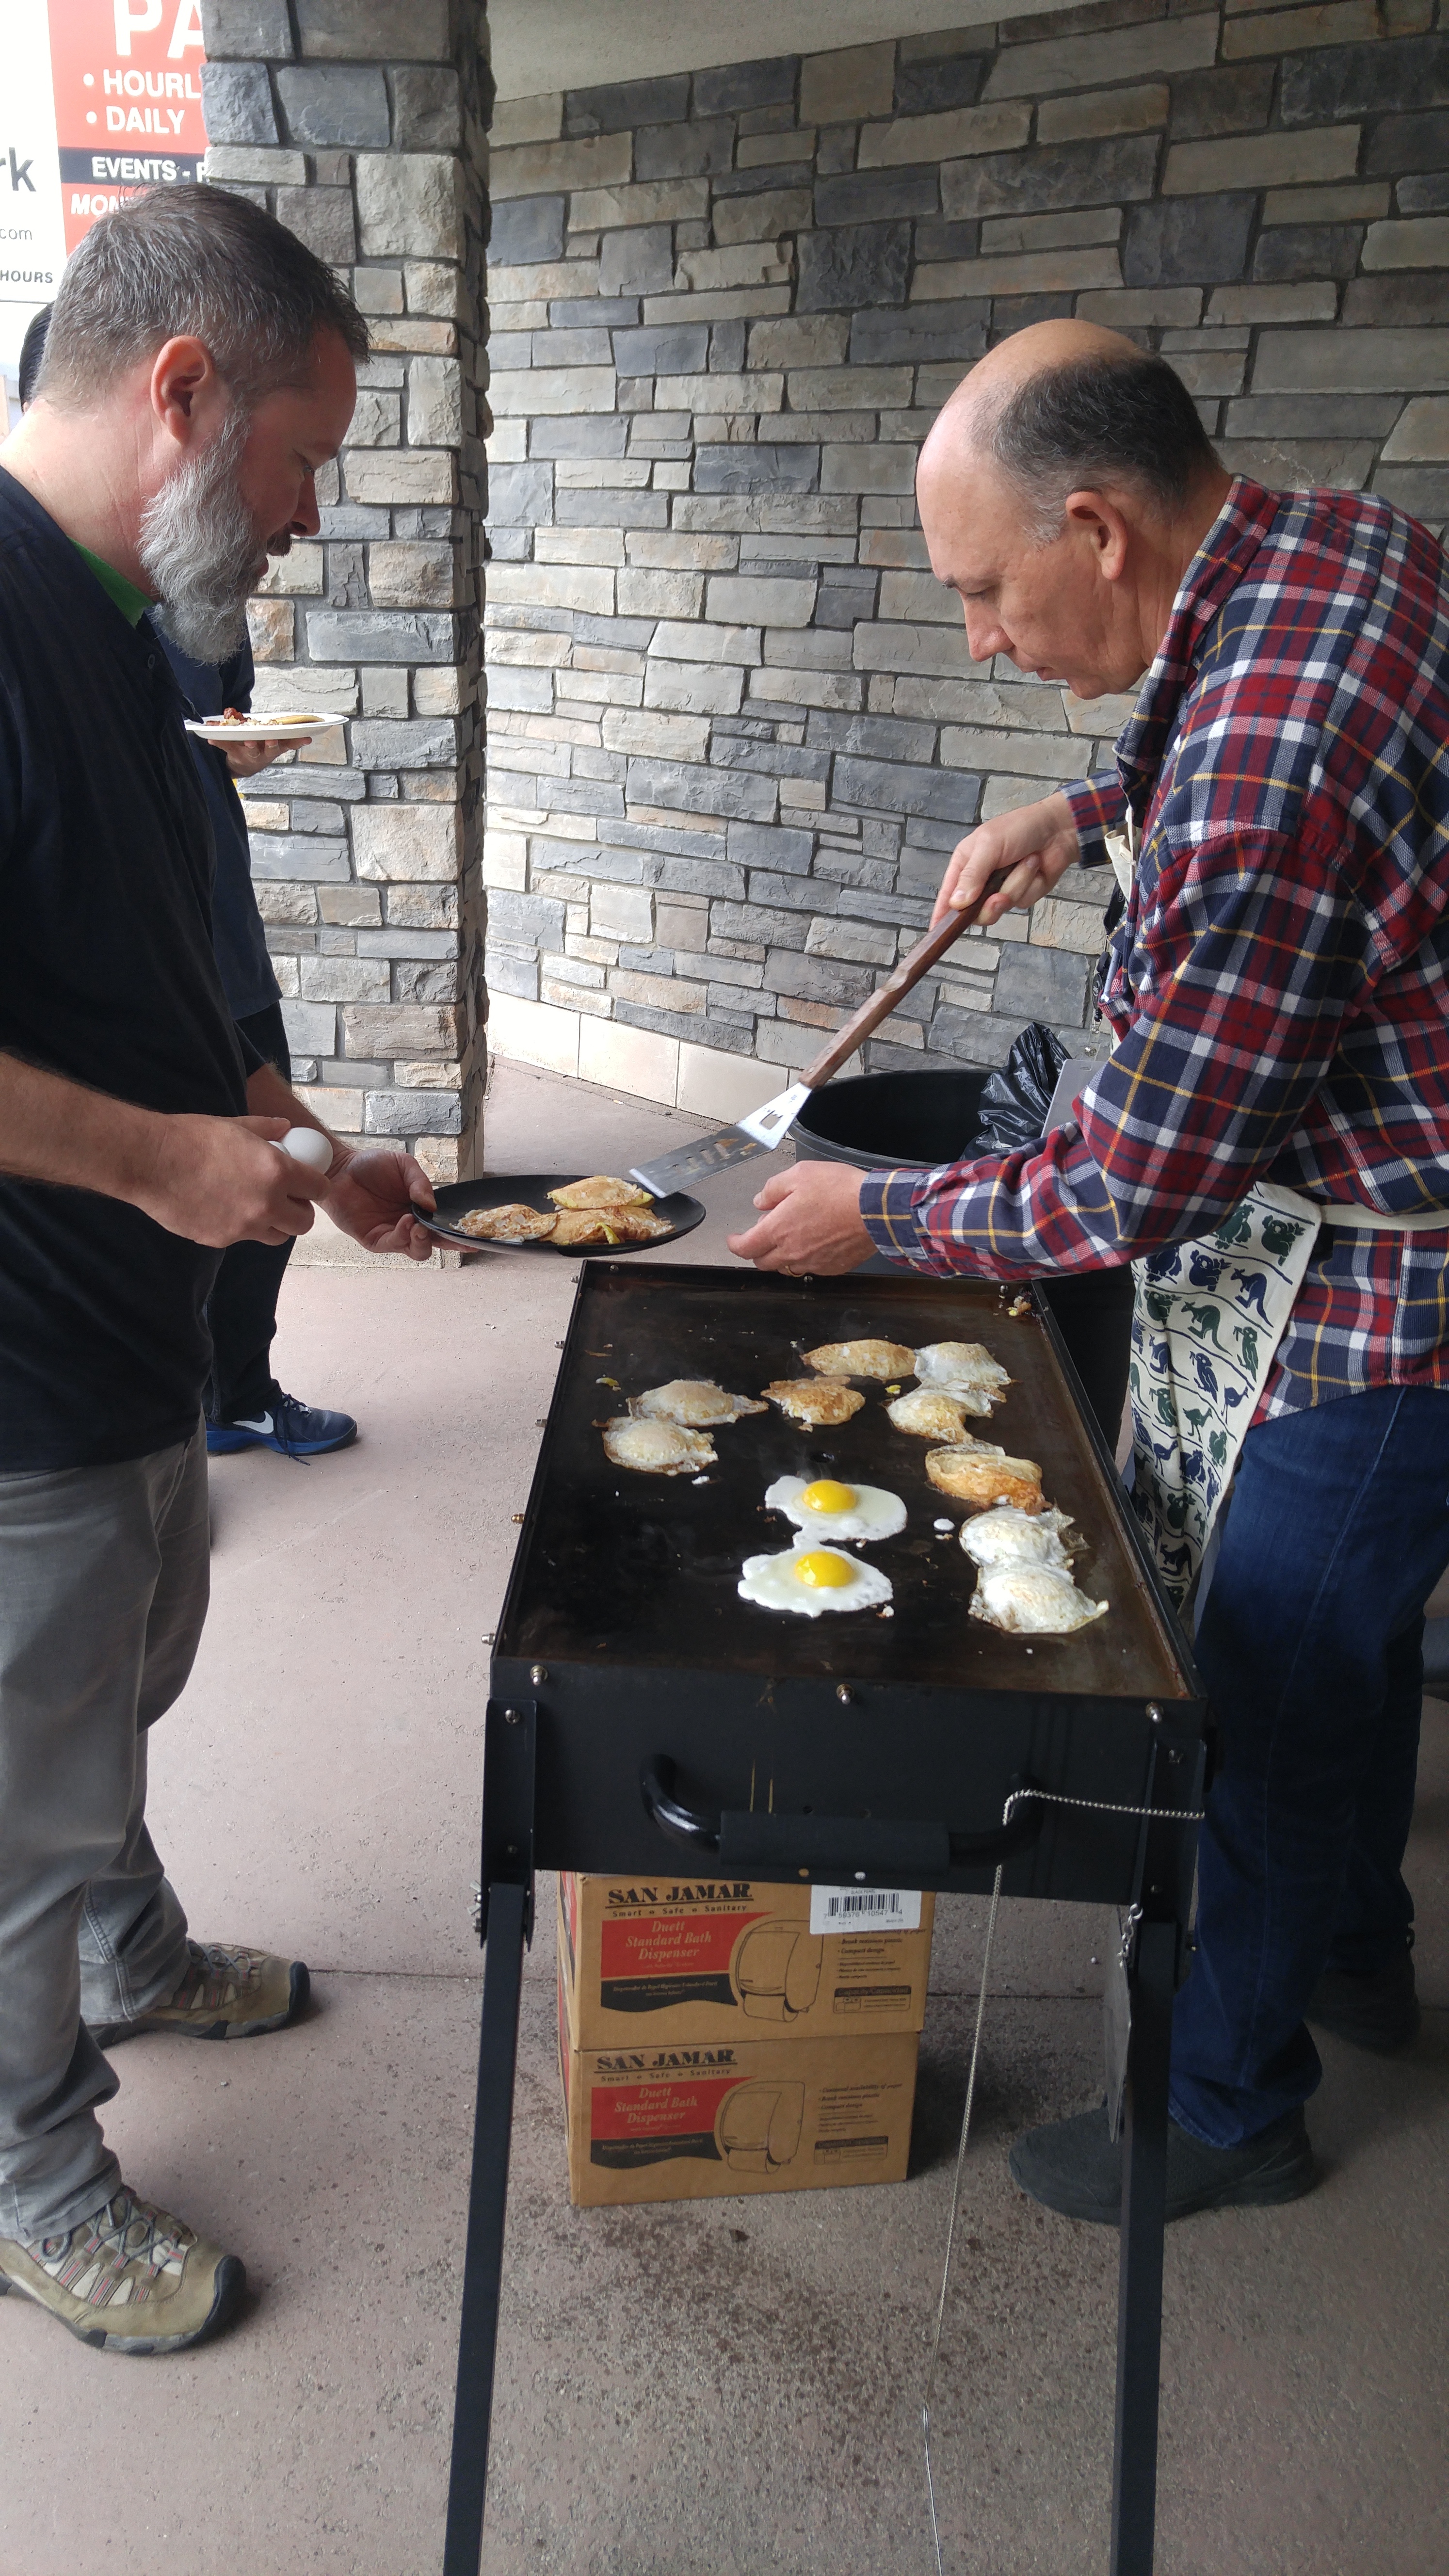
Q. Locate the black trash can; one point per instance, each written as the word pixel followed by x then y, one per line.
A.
pixel 879 1120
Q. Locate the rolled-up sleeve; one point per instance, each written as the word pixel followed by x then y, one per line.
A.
pixel 1098 805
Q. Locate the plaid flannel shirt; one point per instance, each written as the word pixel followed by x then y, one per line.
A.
pixel 1278 986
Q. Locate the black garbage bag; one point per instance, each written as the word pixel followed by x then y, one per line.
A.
pixel 1015 1101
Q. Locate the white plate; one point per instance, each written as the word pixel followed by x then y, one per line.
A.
pixel 263 728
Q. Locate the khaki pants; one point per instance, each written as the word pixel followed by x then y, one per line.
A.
pixel 104 1576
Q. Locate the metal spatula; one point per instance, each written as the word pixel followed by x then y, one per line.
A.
pixel 767 1127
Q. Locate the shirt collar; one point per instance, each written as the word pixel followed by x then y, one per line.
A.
pixel 132 603
pixel 1213 575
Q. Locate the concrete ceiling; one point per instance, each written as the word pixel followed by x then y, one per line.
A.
pixel 575 44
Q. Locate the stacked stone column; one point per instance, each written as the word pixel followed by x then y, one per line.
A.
pixel 361 124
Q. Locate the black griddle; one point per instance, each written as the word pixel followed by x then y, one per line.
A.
pixel 640 1710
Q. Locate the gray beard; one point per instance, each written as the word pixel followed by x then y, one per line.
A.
pixel 200 546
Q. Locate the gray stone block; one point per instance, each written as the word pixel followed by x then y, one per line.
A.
pixel 852 265
pixel 699 877
pixel 947 241
pixel 1188 241
pixel 525 231
pixel 521 919
pixel 756 469
pixel 954 81
pixel 772 177
pixel 1298 416
pixel 309 857
pixel 238 103
pixel 1424 196
pixel 1398 302
pixel 581 435
pixel 1422 490
pixel 1364 80
pixel 506 973
pixel 1120 167
pixel 1400 143
pixel 876 737
pixel 684 788
pixel 322 218
pixel 1042 983
pixel 800 894
pixel 759 845
pixel 379 635
pixel 257 30
pixel 344 105
pixel 756 922
pixel 639 260
pixel 704 149
pixel 1232 101
pixel 374 31
pixel 520 496
pixel 769 759
pixel 591 313
pixel 661 350
pixel 412 742
pixel 623 104
pixel 975 1037
pixel 593 509
pixel 1308 250
pixel 817 979
pixel 587 347
pixel 922 334
pixel 427 110
pixel 874 196
pixel 882 786
pixel 742 85
pixel 412 1113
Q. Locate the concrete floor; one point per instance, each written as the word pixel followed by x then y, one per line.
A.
pixel 718 2389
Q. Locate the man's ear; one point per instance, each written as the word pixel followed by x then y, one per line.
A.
pixel 1096 517
pixel 185 390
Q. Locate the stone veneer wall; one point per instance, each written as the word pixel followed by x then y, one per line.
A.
pixel 733 729
pixel 361 124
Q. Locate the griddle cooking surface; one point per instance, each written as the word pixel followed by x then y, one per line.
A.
pixel 623 1568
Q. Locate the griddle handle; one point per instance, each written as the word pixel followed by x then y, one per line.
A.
pixel 827 1843
pixel 697 1833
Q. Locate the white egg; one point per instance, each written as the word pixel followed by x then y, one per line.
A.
pixel 957 1367
pixel 1006 1536
pixel 307 1145
pixel 837 1509
pixel 839 1582
pixel 1033 1600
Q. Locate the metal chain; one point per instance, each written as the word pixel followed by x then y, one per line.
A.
pixel 1103 1807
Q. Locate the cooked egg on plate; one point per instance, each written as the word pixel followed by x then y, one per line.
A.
pixel 1008 1536
pixel 959 1366
pixel 657 1448
pixel 829 1509
pixel 933 1414
pixel 814 1399
pixel 862 1359
pixel 813 1580
pixel 692 1401
pixel 1033 1601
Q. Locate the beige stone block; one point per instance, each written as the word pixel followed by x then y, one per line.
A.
pixel 784 514
pixel 440 691
pixel 435 402
pixel 1054 924
pixel 917 595
pixel 505 861
pixel 426 1074
pixel 409 202
pixel 1285 31
pixel 256 165
pixel 533 1033
pixel 792 686
pixel 954 135
pixel 578 546
pixel 1036 755
pixel 508 650
pixel 602 473
pixel 422 907
pixel 415 843
pixel 751 263
pixel 849 388
pixel 272 626
pixel 507 440
pixel 1104 716
pixel 261 815
pixel 309 687
pixel 526 120
pixel 1412 361
pixel 1420 434
pixel 695 688
pixel 531 392
pixel 405 573
pixel 538 169
pixel 763 215
pixel 1313 300
pixel 1360 201
pixel 934 647
pixel 552 586
pixel 287 906
pixel 342 979
pixel 416 332
pixel 654 735
pixel 715 1085
pixel 621 912
pixel 1422 242
pixel 541 282
pixel 297 574
pixel 659 594
pixel 442 1159
pixel 809 792
pixel 1045 272
pixel 1109 53
pixel 805 340
pixel 1104 111
pixel 637 1061
pixel 1075 231
pixel 895 549
pixel 1209 372
pixel 670 550
pixel 1261 160
pixel 652 201
pixel 403 478
pixel 868 469
pixel 718 304
pixel 436 286
pixel 755 392
pixel 857 943
pixel 339 1108
pixel 350 906
pixel 839 88
pixel 390 1029
pixel 763 151
pixel 759 600
pixel 1122 307
pixel 689 643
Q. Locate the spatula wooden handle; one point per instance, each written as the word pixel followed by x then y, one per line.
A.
pixel 881 1004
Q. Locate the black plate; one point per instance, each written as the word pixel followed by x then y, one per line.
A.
pixel 531 1189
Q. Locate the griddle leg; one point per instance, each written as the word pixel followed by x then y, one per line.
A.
pixel 1139 2280
pixel 507 1897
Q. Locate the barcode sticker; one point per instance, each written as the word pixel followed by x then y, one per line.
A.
pixel 865 1909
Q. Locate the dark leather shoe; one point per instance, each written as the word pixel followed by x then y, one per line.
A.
pixel 1074 2167
pixel 1379 2012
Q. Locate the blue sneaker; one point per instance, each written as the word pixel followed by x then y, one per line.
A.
pixel 294 1430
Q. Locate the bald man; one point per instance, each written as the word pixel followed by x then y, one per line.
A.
pixel 1276 993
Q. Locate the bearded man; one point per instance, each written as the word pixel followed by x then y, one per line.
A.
pixel 1274 1118
pixel 200 370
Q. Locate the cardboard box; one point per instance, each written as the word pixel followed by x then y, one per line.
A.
pixel 649 1960
pixel 705 2119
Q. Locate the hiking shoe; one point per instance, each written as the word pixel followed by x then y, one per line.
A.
pixel 294 1430
pixel 129 2279
pixel 226 1993
pixel 1075 2167
pixel 1378 2012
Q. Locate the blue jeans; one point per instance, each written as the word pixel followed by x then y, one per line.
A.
pixel 1310 1644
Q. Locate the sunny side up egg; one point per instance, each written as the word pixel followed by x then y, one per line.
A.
pixel 812 1580
pixel 828 1509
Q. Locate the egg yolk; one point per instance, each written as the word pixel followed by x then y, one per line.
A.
pixel 824 1571
pixel 827 1496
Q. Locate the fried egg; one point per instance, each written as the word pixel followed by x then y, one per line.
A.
pixel 813 1580
pixel 658 1448
pixel 959 1367
pixel 862 1359
pixel 1033 1601
pixel 933 1414
pixel 600 1191
pixel 609 1225
pixel 1008 1536
pixel 976 1473
pixel 835 1510
pixel 691 1400
pixel 811 1399
pixel 512 1224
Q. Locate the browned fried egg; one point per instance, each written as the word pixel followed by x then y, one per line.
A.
pixel 608 1225
pixel 813 1399
pixel 862 1359
pixel 934 1415
pixel 1033 1601
pixel 512 1224
pixel 960 1367
pixel 977 1474
pixel 657 1448
pixel 692 1400
pixel 600 1192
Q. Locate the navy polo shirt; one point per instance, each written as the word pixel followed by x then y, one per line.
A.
pixel 107 976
